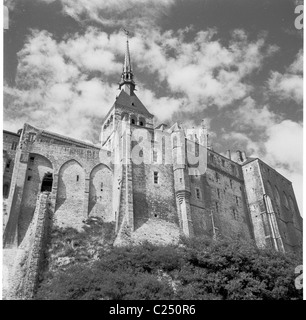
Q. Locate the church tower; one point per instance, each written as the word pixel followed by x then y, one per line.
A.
pixel 127 107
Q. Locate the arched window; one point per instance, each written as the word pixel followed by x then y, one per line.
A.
pixel 142 122
pixel 133 119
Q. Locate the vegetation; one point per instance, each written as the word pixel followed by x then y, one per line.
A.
pixel 197 269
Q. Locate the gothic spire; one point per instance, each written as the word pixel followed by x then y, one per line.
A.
pixel 127 81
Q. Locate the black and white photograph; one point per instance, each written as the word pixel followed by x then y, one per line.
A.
pixel 152 151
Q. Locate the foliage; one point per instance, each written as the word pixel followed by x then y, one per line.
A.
pixel 197 269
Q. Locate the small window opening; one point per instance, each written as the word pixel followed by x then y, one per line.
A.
pixel 155 177
pixel 223 162
pixel 132 121
pixel 8 164
pixel 235 214
pixel 237 200
pixel 77 178
pixel 101 186
pixel 218 192
pixel 29 178
pixel 141 123
pixel 198 193
pixel 32 159
pixel 231 183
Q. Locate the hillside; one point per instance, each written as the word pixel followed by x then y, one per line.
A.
pixel 85 265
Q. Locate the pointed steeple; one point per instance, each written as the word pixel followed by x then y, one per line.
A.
pixel 126 80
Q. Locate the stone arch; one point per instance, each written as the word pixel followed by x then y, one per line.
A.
pixel 38 166
pixel 101 192
pixel 70 195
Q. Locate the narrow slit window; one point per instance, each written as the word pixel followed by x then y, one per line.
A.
pixel 155 177
pixel 198 194
pixel 77 178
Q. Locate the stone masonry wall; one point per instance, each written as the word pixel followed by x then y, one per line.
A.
pixel 36 243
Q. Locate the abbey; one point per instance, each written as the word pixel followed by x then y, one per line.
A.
pixel 156 199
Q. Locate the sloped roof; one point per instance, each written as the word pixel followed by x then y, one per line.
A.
pixel 132 102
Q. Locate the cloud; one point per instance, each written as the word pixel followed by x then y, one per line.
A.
pixel 289 85
pixel 203 70
pixel 130 13
pixel 277 141
pixel 74 80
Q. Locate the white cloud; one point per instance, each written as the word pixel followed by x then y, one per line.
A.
pixel 290 84
pixel 129 13
pixel 204 71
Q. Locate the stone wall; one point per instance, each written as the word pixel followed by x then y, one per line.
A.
pixel 32 251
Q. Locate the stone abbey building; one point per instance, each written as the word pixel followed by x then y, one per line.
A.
pixel 157 199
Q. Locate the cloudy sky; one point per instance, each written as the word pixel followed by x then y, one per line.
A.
pixel 235 63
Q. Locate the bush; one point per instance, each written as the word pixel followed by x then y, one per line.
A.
pixel 196 269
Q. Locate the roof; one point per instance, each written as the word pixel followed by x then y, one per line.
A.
pixel 67 139
pixel 131 102
pixel 12 133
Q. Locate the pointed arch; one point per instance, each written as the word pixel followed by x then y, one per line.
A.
pixel 101 192
pixel 70 194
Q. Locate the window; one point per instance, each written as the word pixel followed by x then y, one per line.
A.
pixel 231 183
pixel 32 159
pixel 101 186
pixel 155 177
pixel 223 162
pixel 14 145
pixel 77 178
pixel 218 192
pixel 237 200
pixel 32 137
pixel 8 164
pixel 198 193
pixel 141 123
pixel 217 176
pixel 217 207
pixel 29 178
pixel 233 169
pixel 235 213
